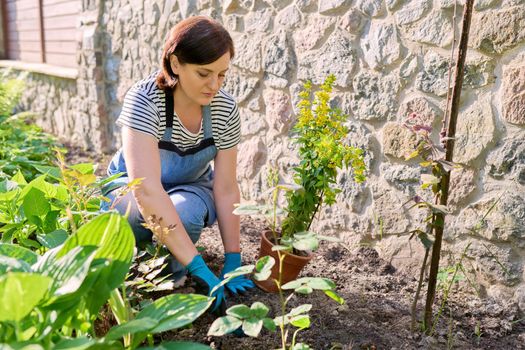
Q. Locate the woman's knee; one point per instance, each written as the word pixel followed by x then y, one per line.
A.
pixel 192 212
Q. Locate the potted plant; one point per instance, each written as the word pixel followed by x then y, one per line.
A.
pixel 320 135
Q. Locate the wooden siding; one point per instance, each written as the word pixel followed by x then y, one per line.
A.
pixel 23 30
pixel 28 22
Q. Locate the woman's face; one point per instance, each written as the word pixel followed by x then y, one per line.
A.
pixel 199 83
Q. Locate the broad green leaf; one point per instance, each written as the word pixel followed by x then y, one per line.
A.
pixel 178 345
pixel 108 179
pixel 84 168
pixel 280 247
pixel 112 234
pixel 52 171
pixel 62 193
pixel 240 311
pixel 19 178
pixel 269 324
pixel 35 220
pixel 18 252
pixel 301 309
pixel 52 239
pixel 39 183
pixel 26 345
pixel 9 196
pixel 75 344
pixel 50 221
pixel 307 243
pixel 69 271
pixel 35 203
pixel 20 292
pixel 175 310
pixel 301 346
pixel 301 321
pixel 83 343
pixel 224 325
pixel 304 289
pixel 263 268
pixel 8 185
pixel 252 327
pixel 143 324
pixel 250 209
pixel 8 264
pixel 313 282
pixel 334 296
pixel 320 283
pixel 242 270
pixel 86 179
pixel 259 310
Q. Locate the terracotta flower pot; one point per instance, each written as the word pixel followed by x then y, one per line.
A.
pixel 292 264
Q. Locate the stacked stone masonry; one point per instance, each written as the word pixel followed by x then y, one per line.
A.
pixel 390 59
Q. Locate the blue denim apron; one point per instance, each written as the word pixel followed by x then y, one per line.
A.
pixel 186 175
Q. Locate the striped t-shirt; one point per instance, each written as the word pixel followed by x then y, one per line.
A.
pixel 144 110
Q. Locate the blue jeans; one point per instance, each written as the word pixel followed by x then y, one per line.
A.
pixel 192 211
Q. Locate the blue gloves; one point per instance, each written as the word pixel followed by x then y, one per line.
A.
pixel 206 280
pixel 237 284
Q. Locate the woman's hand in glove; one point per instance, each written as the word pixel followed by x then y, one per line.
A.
pixel 206 281
pixel 237 284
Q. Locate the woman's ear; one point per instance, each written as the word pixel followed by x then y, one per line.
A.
pixel 174 63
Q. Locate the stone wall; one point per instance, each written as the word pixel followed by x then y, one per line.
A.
pixel 390 59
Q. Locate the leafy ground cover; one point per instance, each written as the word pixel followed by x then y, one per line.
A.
pixel 376 314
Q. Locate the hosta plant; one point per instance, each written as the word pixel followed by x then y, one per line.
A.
pixel 52 301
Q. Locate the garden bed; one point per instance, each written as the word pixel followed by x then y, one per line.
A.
pixel 376 314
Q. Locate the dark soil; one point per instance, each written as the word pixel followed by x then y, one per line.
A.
pixel 376 314
pixel 378 298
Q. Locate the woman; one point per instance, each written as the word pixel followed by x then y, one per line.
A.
pixel 174 123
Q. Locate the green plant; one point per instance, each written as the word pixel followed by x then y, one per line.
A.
pixel 10 92
pixel 478 332
pixel 320 135
pixel 22 144
pixel 42 213
pixel 52 300
pixel 251 319
pixel 60 293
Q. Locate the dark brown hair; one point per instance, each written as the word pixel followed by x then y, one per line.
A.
pixel 195 40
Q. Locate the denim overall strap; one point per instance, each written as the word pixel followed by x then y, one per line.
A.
pixel 165 142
